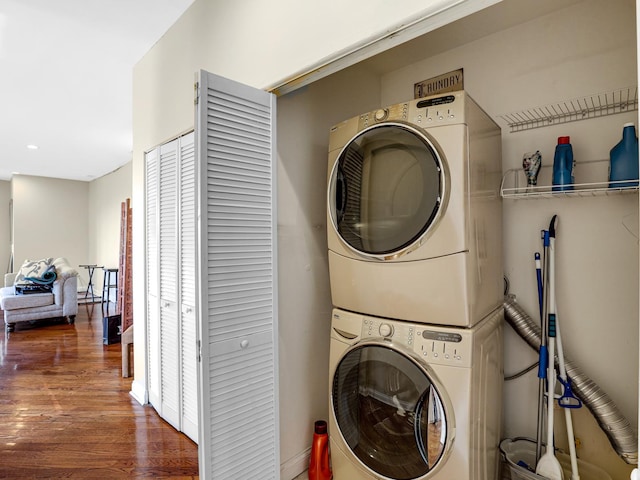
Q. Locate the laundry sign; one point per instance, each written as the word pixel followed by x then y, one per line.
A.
pixel 448 82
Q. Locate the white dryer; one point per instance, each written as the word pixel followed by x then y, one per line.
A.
pixel 410 401
pixel 414 217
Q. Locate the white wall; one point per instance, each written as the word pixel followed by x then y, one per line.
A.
pixel 50 219
pixel 105 197
pixel 5 227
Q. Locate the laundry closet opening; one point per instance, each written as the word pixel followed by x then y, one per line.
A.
pixel 509 65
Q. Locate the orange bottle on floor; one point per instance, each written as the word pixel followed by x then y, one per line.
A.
pixel 320 463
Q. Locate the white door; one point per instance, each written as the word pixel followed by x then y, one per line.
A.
pixel 152 273
pixel 168 246
pixel 188 320
pixel 171 283
pixel 238 299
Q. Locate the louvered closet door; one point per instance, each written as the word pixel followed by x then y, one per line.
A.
pixel 236 145
pixel 168 247
pixel 152 259
pixel 188 326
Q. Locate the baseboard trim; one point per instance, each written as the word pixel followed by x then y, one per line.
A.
pixel 138 392
pixel 295 466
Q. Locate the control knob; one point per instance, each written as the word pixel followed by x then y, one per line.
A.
pixel 380 114
pixel 385 330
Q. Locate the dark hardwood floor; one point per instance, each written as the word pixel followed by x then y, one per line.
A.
pixel 66 412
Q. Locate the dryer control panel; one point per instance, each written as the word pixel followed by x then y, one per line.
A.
pixel 426 112
pixel 396 112
pixel 437 345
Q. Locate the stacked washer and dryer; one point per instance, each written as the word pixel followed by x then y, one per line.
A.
pixel 415 262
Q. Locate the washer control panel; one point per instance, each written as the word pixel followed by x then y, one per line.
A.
pixel 438 345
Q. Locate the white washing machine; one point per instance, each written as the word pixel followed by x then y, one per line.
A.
pixel 410 401
pixel 414 217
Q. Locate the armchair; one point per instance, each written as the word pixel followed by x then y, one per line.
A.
pixel 62 301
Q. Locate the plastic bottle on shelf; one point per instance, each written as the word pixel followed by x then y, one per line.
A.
pixel 320 463
pixel 563 178
pixel 623 159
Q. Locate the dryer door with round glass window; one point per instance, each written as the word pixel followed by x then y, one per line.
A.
pixel 391 412
pixel 386 189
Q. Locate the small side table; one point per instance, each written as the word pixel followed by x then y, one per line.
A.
pixel 91 269
pixel 110 280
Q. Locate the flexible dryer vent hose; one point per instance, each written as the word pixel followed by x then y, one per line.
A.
pixel 617 428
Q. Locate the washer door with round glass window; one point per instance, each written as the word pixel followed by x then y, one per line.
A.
pixel 391 411
pixel 387 190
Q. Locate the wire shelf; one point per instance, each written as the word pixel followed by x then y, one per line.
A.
pixel 514 187
pixel 582 108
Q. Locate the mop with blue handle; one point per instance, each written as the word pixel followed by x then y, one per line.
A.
pixel 542 355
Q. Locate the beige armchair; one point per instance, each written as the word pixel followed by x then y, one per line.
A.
pixel 62 301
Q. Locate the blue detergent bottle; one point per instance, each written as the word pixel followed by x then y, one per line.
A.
pixel 563 166
pixel 623 159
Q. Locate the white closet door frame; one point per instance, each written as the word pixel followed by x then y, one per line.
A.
pixel 238 376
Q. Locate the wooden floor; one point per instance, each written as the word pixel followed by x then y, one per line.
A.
pixel 66 412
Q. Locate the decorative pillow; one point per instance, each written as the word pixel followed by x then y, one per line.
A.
pixel 35 269
pixel 64 269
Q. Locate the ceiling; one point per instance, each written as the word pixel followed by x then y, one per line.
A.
pixel 66 69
